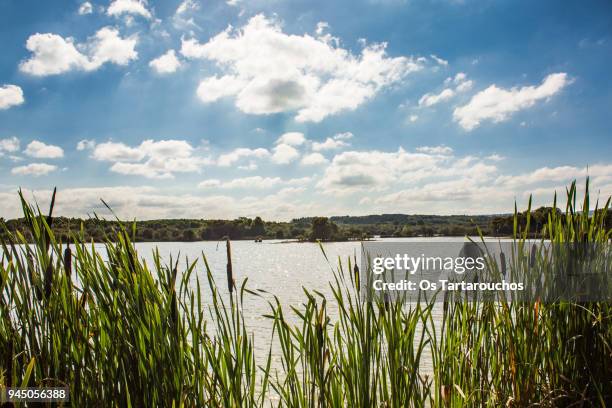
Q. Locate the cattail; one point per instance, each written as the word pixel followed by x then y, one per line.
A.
pixel 68 262
pixel 387 300
pixel 356 273
pixel 446 394
pixel 33 275
pixel 49 278
pixel 230 273
pixel 174 308
pixel 532 261
pixel 50 220
pixel 502 261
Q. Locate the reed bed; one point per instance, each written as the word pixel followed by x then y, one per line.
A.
pixel 124 333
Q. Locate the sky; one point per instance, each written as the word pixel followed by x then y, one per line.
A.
pixel 291 108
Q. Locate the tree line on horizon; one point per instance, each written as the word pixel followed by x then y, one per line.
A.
pixel 336 228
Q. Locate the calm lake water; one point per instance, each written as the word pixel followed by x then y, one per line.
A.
pixel 280 268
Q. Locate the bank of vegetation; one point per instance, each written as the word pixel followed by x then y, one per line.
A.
pixel 312 229
pixel 123 333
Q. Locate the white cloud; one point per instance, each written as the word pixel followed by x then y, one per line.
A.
pixel 210 183
pixel 85 8
pixel 314 159
pixel 268 71
pixel 108 46
pixel 166 63
pixel 10 95
pixel 34 169
pixel 462 85
pixel 460 77
pixel 186 6
pixel 439 60
pixel 498 104
pixel 151 159
pixel 495 157
pixel 53 54
pixel 86 144
pixel 413 118
pixel 292 139
pixel 41 150
pixel 335 142
pixel 367 171
pixel 322 26
pixel 430 99
pixel 9 145
pixel 256 182
pixel 112 151
pixel 284 154
pixel 250 166
pixel 444 150
pixel 554 174
pixel 236 155
pixel 129 7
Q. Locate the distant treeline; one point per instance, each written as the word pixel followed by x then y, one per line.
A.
pixel 337 228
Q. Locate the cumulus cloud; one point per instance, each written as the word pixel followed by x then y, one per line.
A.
pixel 113 151
pixel 166 63
pixel 151 159
pixel 498 104
pixel 9 145
pixel 268 71
pixel 53 54
pixel 335 142
pixel 554 175
pixel 42 150
pixel 129 7
pixel 354 171
pixel 313 159
pixel 85 8
pixel 284 154
pixel 292 139
pixel 10 95
pixel 236 155
pixel 34 169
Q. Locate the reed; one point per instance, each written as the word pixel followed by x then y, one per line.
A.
pixel 124 333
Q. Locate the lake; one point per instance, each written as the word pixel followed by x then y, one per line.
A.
pixel 280 268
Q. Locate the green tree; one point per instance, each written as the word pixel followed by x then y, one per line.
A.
pixel 322 229
pixel 258 227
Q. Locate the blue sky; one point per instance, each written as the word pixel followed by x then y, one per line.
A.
pixel 286 108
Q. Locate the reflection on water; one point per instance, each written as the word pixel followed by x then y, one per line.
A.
pixel 277 267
